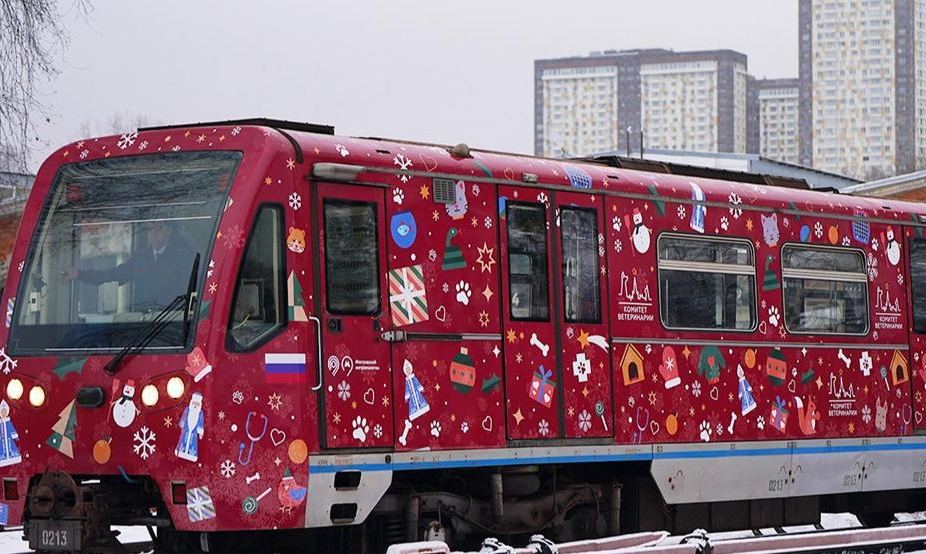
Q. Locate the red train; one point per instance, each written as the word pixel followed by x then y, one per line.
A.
pixel 223 328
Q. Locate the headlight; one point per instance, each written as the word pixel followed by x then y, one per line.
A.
pixel 36 396
pixel 14 389
pixel 149 395
pixel 175 387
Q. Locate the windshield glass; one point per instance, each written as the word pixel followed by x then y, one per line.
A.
pixel 115 245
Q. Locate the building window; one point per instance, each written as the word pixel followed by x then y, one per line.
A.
pixel 257 310
pixel 580 265
pixel 351 257
pixel 706 283
pixel 825 290
pixel 527 261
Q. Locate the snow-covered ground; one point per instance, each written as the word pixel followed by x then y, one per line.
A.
pixel 11 542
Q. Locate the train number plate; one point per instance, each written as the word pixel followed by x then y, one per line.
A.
pixel 52 535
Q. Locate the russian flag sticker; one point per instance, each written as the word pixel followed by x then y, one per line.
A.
pixel 284 368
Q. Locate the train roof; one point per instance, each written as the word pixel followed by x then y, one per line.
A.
pixel 607 175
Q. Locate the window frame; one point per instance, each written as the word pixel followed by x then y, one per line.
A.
pixel 546 266
pixel 823 276
pixel 598 295
pixel 706 267
pixel 231 344
pixel 376 233
pixel 910 292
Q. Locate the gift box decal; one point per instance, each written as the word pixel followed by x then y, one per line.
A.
pixel 779 415
pixel 199 504
pixel 407 295
pixel 542 387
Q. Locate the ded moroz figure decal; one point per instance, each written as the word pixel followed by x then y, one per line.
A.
pixel 192 427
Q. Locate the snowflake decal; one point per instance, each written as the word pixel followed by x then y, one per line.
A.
pixel 377 430
pixel 872 267
pixel 681 211
pixel 295 201
pixel 585 421
pixel 343 390
pixel 227 469
pixel 866 414
pixel 126 140
pixel 617 245
pixel 544 199
pixel 696 389
pixel 544 427
pixel 234 238
pixel 735 209
pixel 818 230
pixel 235 131
pixel 488 222
pixel 404 165
pixel 144 445
pixel 143 145
pixel 7 364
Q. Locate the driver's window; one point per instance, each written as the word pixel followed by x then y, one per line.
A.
pixel 257 311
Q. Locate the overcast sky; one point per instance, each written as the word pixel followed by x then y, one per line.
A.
pixel 430 70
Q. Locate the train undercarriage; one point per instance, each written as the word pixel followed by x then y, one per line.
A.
pixel 460 507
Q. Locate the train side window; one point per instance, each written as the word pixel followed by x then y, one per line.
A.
pixel 825 290
pixel 918 283
pixel 579 238
pixel 351 257
pixel 257 310
pixel 706 283
pixel 527 261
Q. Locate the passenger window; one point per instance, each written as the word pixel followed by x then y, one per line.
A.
pixel 257 310
pixel 351 257
pixel 580 265
pixel 825 290
pixel 706 283
pixel 527 261
pixel 918 283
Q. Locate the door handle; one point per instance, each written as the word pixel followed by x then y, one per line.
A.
pixel 318 348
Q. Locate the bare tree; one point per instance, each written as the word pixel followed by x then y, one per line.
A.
pixel 30 35
pixel 117 123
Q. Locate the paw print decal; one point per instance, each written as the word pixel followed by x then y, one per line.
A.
pixel 361 428
pixel 398 195
pixel 342 150
pixel 705 431
pixel 463 293
pixel 774 316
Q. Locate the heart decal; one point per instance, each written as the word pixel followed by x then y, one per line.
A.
pixel 715 393
pixel 792 386
pixel 763 327
pixel 277 437
pixel 487 423
pixel 919 417
pixel 440 314
pixel 509 174
pixel 370 396
pixel 428 162
pixel 654 426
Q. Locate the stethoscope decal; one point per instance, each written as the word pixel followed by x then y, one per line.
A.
pixel 251 437
pixel 642 415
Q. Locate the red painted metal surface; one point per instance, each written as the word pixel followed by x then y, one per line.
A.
pixel 625 377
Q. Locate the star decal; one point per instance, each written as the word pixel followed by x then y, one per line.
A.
pixel 275 400
pixel 511 336
pixel 749 224
pixel 496 351
pixel 488 293
pixel 686 352
pixel 583 338
pixel 486 257
pixel 290 163
pixel 268 180
pixel 168 421
pixel 484 318
pixel 336 418
pixel 819 383
pixel 425 192
pixel 518 416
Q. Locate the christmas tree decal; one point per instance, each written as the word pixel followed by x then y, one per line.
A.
pixel 295 301
pixel 62 437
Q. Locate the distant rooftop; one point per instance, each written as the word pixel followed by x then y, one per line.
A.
pixel 896 186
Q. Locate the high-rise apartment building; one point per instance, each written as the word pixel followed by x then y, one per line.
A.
pixel 863 85
pixel 682 100
pixel 774 119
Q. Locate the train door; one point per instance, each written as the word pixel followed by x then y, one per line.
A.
pixel 352 301
pixel 582 314
pixel 916 252
pixel 532 358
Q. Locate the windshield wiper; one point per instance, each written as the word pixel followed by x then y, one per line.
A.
pixel 156 325
pixel 190 298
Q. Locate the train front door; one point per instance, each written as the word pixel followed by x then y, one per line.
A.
pixel 351 297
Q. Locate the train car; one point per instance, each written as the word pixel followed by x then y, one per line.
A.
pixel 259 334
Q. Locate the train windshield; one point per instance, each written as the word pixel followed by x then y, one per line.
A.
pixel 115 247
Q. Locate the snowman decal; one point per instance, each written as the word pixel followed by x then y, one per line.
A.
pixel 893 248
pixel 640 233
pixel 124 408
